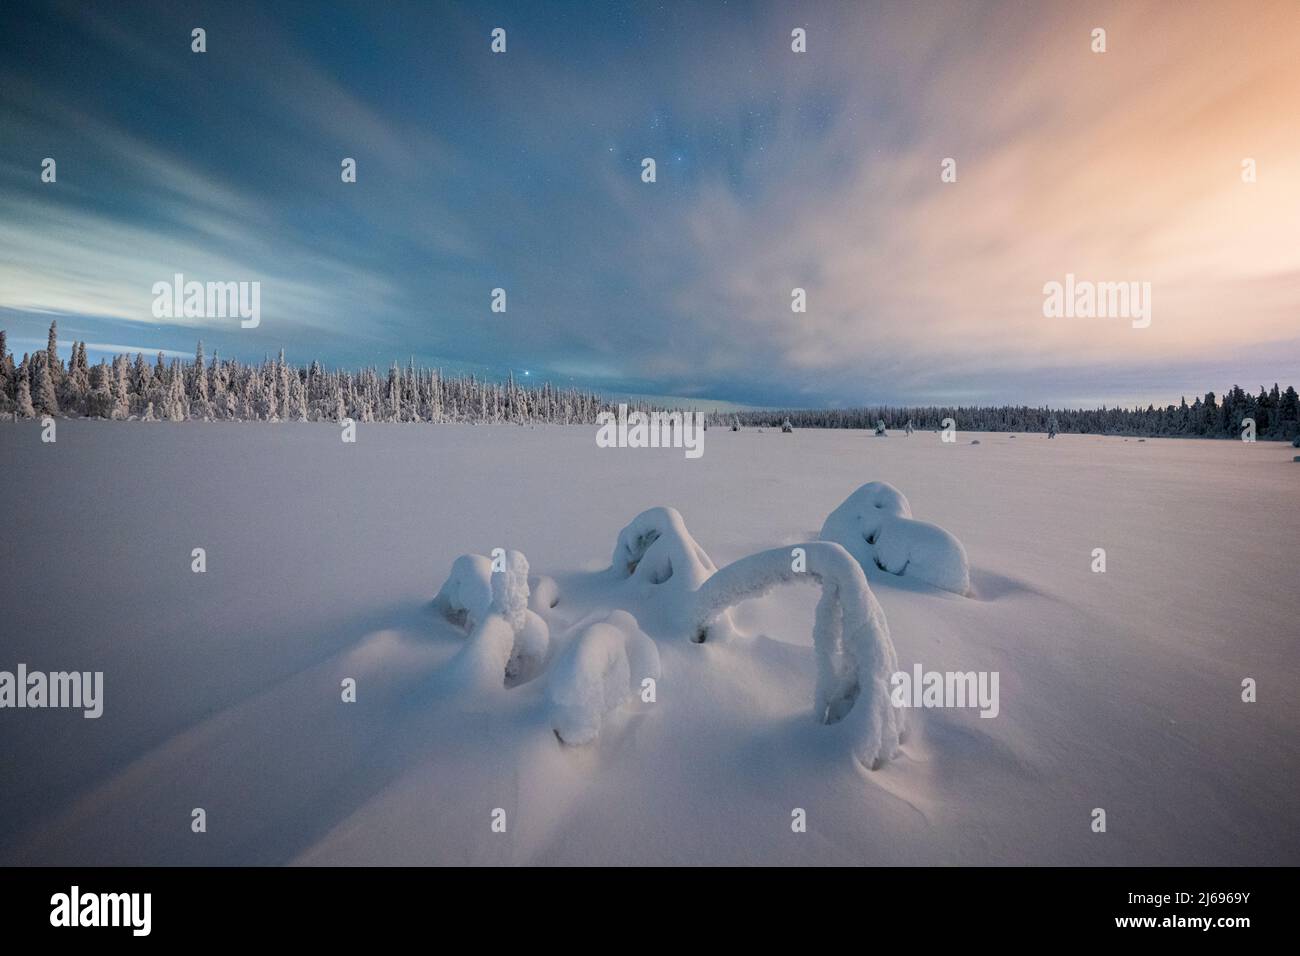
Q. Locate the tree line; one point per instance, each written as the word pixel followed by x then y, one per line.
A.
pixel 1276 414
pixel 223 389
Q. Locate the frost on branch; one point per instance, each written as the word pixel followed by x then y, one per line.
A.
pixel 875 524
pixel 855 655
pixel 507 641
pixel 596 674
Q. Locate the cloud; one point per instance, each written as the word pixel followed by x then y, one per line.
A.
pixel 776 170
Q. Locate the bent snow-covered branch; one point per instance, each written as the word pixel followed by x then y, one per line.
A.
pixel 855 655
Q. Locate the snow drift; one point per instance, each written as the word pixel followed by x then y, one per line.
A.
pixel 507 641
pixel 596 674
pixel 855 654
pixel 875 524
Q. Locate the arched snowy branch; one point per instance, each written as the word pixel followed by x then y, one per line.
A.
pixel 855 656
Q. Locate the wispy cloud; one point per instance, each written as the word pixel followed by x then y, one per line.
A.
pixel 776 170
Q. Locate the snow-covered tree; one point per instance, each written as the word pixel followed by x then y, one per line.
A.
pixel 23 407
pixel 43 397
pixel 875 525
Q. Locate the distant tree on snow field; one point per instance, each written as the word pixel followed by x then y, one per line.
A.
pixel 1204 417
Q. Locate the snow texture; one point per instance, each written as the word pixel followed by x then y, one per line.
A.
pixel 545 593
pixel 655 548
pixel 876 526
pixel 508 641
pixel 664 565
pixel 596 674
pixel 855 655
pixel 466 595
pixel 1110 684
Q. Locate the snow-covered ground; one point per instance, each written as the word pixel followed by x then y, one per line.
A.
pixel 1119 691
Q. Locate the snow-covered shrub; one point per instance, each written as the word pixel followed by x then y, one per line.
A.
pixel 656 547
pixel 545 593
pixel 507 641
pixel 664 565
pixel 597 672
pixel 875 524
pixel 466 595
pixel 855 655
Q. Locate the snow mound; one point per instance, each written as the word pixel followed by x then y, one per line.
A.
pixel 656 548
pixel 596 674
pixel 855 654
pixel 664 565
pixel 875 524
pixel 508 641
pixel 466 595
pixel 545 593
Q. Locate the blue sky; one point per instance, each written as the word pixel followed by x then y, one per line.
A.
pixel 775 169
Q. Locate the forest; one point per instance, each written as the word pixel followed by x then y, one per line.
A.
pixel 218 389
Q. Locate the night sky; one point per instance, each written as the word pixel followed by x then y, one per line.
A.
pixel 775 170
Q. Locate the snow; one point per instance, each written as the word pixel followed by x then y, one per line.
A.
pixel 1119 690
pixel 508 641
pixel 596 674
pixel 663 567
pixel 544 593
pixel 855 656
pixel 466 595
pixel 875 525
pixel 655 548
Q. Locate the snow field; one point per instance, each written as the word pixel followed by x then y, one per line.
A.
pixel 1119 690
